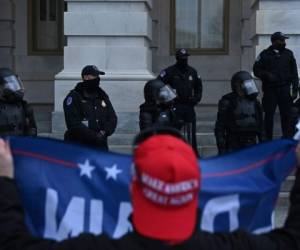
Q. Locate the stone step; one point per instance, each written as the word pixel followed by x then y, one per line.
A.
pixel 43 126
pixel 42 114
pixel 288 184
pixel 203 139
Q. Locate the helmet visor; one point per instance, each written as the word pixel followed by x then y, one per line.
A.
pixel 166 94
pixel 12 83
pixel 249 87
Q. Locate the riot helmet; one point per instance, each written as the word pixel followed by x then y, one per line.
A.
pixel 243 84
pixel 11 87
pixel 155 91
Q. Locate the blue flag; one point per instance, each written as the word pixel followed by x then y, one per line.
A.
pixel 67 189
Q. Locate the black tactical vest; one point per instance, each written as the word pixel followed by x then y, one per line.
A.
pixel 12 119
pixel 245 116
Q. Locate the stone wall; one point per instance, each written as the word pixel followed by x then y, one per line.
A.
pixel 7 38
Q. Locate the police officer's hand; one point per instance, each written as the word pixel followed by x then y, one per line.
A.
pixel 6 160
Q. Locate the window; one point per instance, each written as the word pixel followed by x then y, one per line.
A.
pixel 45 20
pixel 201 26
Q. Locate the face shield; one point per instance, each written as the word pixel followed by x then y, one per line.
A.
pixel 166 94
pixel 249 88
pixel 12 85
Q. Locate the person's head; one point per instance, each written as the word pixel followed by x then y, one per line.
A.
pixel 11 87
pixel 182 57
pixel 165 186
pixel 278 40
pixel 244 85
pixel 90 76
pixel 155 91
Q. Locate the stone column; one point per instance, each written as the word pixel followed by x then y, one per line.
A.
pixel 270 16
pixel 7 31
pixel 114 35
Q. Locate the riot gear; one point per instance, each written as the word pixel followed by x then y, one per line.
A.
pixel 244 85
pixel 158 109
pixel 11 86
pixel 16 116
pixel 239 120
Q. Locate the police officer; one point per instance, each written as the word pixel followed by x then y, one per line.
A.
pixel 239 120
pixel 89 114
pixel 188 86
pixel 158 108
pixel 16 116
pixel 276 67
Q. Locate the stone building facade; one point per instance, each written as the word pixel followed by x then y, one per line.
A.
pixel 47 42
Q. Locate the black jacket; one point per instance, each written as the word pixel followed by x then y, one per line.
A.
pixel 17 118
pixel 226 128
pixel 151 115
pixel 86 116
pixel 186 82
pixel 15 236
pixel 276 69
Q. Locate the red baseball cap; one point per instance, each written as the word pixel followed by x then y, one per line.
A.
pixel 165 188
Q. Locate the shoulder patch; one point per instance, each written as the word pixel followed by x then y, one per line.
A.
pixel 69 100
pixel 163 73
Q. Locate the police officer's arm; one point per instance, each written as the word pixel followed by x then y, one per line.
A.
pixel 221 124
pixel 260 71
pixel 111 119
pixel 294 73
pixel 259 117
pixel 74 123
pixel 197 89
pixel 165 77
pixel 30 128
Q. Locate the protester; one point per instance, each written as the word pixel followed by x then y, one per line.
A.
pixel 16 115
pixel 164 189
pixel 277 68
pixel 89 114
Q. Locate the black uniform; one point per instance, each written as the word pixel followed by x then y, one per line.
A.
pixel 188 88
pixel 277 70
pixel 239 123
pixel 158 109
pixel 152 115
pixel 16 118
pixel 15 236
pixel 87 116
